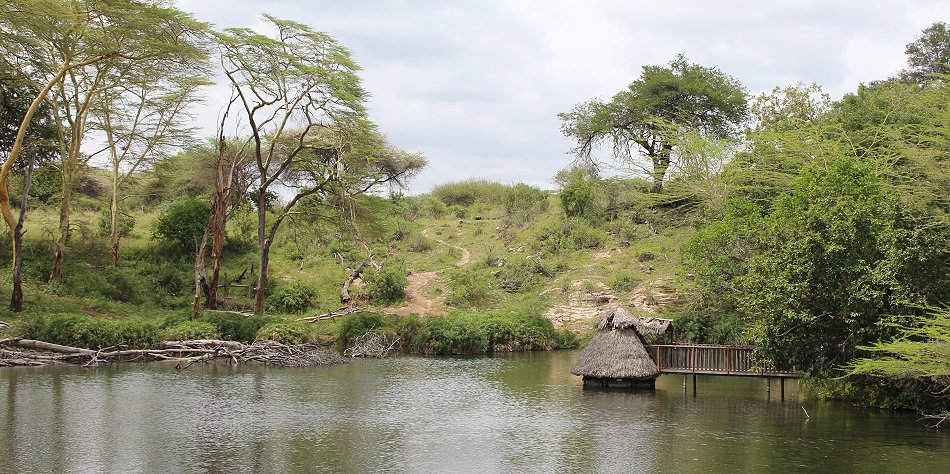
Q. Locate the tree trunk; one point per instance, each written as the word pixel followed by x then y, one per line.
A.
pixel 114 218
pixel 59 245
pixel 201 284
pixel 262 278
pixel 661 163
pixel 16 299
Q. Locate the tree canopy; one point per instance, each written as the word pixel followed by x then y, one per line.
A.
pixel 652 114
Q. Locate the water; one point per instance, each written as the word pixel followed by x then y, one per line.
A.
pixel 519 413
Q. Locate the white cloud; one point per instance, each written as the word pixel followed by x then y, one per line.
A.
pixel 476 84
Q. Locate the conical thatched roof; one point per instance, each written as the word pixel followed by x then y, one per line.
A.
pixel 616 351
pixel 621 318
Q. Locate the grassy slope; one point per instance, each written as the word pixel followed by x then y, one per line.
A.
pixel 141 286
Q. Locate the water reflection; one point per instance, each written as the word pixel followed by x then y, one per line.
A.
pixel 517 413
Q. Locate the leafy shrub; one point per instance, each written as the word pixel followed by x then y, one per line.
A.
pixel 623 281
pixel 578 193
pixel 419 243
pixel 475 333
pixel 470 288
pixel 709 328
pixel 294 298
pixel 125 223
pixel 235 327
pixel 89 332
pixel 468 192
pixel 461 334
pixel 284 331
pixel 458 211
pixel 188 330
pixel 182 224
pixel 523 202
pixel 570 234
pixel 356 325
pixel 388 285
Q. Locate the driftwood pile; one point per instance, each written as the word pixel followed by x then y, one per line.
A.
pixel 371 344
pixel 27 352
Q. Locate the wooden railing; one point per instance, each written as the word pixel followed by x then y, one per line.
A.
pixel 711 360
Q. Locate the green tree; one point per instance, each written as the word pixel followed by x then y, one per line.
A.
pixel 302 100
pixel 69 50
pixel 929 55
pixel 651 115
pixel 839 257
pixel 921 351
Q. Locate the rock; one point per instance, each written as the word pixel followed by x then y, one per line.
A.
pixel 645 257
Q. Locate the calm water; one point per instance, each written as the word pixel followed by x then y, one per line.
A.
pixel 520 413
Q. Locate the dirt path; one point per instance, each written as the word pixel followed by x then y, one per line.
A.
pixel 416 301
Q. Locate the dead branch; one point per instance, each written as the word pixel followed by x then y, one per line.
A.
pixel 341 311
pixel 345 292
pixel 371 344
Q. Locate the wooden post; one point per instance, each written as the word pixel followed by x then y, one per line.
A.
pixel 783 388
pixel 694 384
pixel 768 386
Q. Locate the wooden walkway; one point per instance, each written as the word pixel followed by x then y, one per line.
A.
pixel 702 359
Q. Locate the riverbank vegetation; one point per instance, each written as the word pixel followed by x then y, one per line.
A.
pixel 815 229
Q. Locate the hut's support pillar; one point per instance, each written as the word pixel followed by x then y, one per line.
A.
pixel 783 388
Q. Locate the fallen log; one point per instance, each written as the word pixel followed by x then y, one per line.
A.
pixel 32 352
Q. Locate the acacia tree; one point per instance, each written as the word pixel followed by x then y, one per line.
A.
pixel 650 116
pixel 69 50
pixel 302 101
pixel 144 116
pixel 15 98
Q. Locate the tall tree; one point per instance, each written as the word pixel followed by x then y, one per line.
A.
pixel 929 55
pixel 15 98
pixel 69 49
pixel 649 117
pixel 144 116
pixel 302 101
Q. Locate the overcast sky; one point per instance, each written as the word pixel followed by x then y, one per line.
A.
pixel 475 85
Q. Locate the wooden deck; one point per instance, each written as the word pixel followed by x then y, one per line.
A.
pixel 702 359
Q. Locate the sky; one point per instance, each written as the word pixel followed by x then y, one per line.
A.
pixel 476 85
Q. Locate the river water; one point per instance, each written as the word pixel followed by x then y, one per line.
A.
pixel 516 413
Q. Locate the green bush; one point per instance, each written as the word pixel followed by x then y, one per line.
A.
pixel 523 202
pixel 565 235
pixel 623 280
pixel 125 223
pixel 471 287
pixel 189 330
pixel 234 327
pixel 89 332
pixel 578 194
pixel 182 224
pixel 355 325
pixel 476 333
pixel 468 192
pixel 284 331
pixel 388 285
pixel 296 297
pixel 461 334
pixel 458 211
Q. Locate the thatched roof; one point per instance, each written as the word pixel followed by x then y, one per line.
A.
pixel 621 318
pixel 616 353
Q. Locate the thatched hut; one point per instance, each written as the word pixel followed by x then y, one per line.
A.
pixel 617 354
